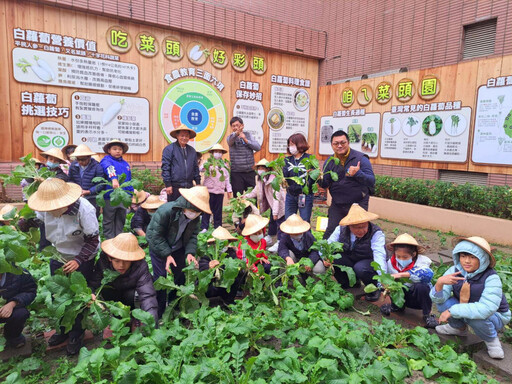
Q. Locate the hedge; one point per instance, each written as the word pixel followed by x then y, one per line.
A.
pixel 495 201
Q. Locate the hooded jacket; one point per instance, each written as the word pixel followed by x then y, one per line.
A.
pixel 267 197
pixel 491 297
pixel 112 169
pixel 162 230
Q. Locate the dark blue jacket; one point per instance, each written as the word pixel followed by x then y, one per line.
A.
pixel 20 288
pixel 290 162
pixel 140 219
pixel 113 168
pixel 179 166
pixel 362 248
pixel 286 245
pixel 350 189
pixel 93 169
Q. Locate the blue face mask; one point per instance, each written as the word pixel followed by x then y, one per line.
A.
pixel 404 263
pixel 50 164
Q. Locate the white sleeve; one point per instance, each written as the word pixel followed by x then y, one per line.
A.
pixel 379 251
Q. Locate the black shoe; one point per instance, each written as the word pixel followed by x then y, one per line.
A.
pixel 373 296
pixel 386 309
pixel 74 345
pixel 57 338
pixel 430 321
pixel 16 342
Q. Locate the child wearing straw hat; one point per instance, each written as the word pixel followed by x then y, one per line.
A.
pixel 5 211
pixel 72 228
pixel 470 294
pixel 83 170
pixel 114 166
pixel 172 236
pixel 268 198
pixel 205 263
pixel 295 243
pixel 217 183
pixel 254 233
pixel 363 242
pixel 180 167
pixel 138 198
pixel 124 255
pixel 407 262
pixel 54 158
pixel 239 221
pixel 142 216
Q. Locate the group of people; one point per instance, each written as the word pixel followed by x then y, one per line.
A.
pixel 469 294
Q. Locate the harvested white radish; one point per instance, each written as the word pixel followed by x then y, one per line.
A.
pixel 196 52
pixel 432 129
pixel 43 64
pixel 112 112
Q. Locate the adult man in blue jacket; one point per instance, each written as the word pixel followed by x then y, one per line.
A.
pixel 355 183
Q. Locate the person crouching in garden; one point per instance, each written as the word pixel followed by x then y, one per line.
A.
pixel 470 293
pixel 124 255
pixel 18 291
pixel 138 198
pixel 217 183
pixel 172 237
pixel 254 233
pixel 54 158
pixel 295 243
pixel 205 263
pixel 72 228
pixel 407 262
pixel 142 216
pixel 363 242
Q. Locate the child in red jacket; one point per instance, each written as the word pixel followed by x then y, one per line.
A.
pixel 254 232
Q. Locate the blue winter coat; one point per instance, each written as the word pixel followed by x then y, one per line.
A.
pixel 113 168
pixel 20 288
pixel 93 169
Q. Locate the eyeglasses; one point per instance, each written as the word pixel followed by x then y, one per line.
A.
pixel 339 143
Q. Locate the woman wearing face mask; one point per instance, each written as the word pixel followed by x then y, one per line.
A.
pixel 295 243
pixel 142 216
pixel 172 237
pixel 268 198
pixel 407 263
pixel 54 158
pixel 296 197
pixel 254 233
pixel 217 183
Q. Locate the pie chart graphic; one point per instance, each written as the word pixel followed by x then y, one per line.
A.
pixel 199 106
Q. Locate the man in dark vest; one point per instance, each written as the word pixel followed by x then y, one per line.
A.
pixel 363 242
pixel 355 183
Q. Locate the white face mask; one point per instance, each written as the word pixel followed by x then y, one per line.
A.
pixel 190 214
pixel 261 172
pixel 256 238
pixel 404 263
pixel 292 149
pixel 217 155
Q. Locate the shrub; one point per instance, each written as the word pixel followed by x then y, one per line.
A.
pixel 151 179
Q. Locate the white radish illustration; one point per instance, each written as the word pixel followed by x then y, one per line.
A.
pixel 41 69
pixel 112 112
pixel 196 52
pixel 44 65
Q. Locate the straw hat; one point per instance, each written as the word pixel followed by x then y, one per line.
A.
pixel 152 202
pixel 107 146
pixel 82 151
pixel 53 194
pixel 218 147
pixel 358 215
pixel 253 224
pixel 139 196
pixel 482 243
pixel 294 225
pixel 198 196
pixel 405 239
pixel 221 233
pixel 5 210
pixel 182 127
pixel 123 247
pixel 55 152
pixel 38 162
pixel 96 157
pixel 262 163
pixel 65 148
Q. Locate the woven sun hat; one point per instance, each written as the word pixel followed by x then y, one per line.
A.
pixel 262 163
pixel 294 225
pixel 182 127
pixel 82 150
pixel 55 152
pixel 123 247
pixel 405 239
pixel 96 157
pixel 221 233
pixel 482 243
pixel 69 146
pixel 107 146
pixel 54 194
pixel 5 210
pixel 152 202
pixel 253 224
pixel 139 196
pixel 39 162
pixel 217 147
pixel 198 196
pixel 358 215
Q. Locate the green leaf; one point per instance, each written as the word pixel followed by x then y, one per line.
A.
pixel 429 371
pixel 370 288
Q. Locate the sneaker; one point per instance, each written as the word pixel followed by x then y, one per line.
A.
pixel 447 329
pixel 203 231
pixel 430 321
pixel 494 349
pixel 16 342
pixel 57 338
pixel 386 309
pixel 74 345
pixel 373 296
pixel 274 248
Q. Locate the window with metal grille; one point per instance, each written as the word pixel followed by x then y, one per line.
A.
pixel 479 39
